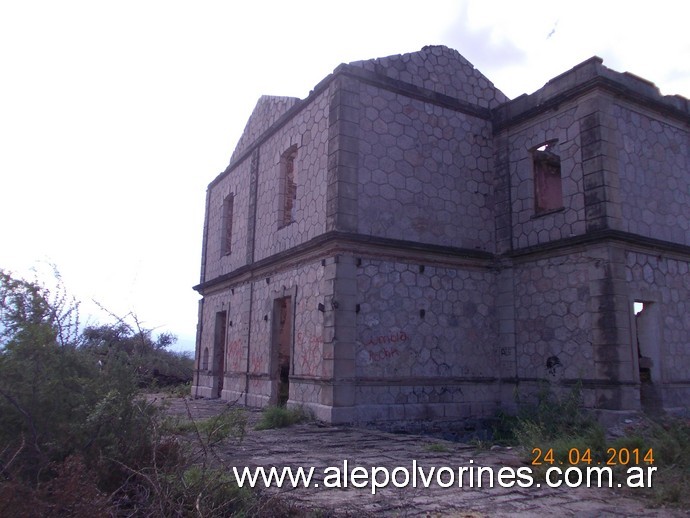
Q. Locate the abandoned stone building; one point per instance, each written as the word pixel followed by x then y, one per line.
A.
pixel 408 244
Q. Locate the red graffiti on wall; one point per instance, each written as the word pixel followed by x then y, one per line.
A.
pixel 384 354
pixel 234 355
pixel 389 351
pixel 390 338
pixel 309 355
pixel 256 365
pixel 309 339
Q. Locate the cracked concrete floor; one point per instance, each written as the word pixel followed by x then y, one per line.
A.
pixel 321 446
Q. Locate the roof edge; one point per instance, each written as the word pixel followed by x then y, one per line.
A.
pixel 582 78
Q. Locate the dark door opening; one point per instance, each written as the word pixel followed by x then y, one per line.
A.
pixel 219 352
pixel 280 350
pixel 648 338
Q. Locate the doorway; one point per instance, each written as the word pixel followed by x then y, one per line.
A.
pixel 281 348
pixel 219 352
pixel 648 349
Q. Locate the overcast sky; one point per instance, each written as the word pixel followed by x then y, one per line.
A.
pixel 115 116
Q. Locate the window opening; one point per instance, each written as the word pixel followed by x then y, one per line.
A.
pixel 226 231
pixel 548 188
pixel 289 187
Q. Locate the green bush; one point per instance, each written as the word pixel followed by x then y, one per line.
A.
pixel 214 492
pixel 555 415
pixel 55 401
pixel 281 417
pixel 559 424
pixel 229 424
pixel 147 357
pixel 77 438
pixel 669 440
pixel 436 447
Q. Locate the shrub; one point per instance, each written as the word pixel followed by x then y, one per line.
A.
pixel 669 440
pixel 70 492
pixel 229 424
pixel 76 437
pixel 280 417
pixel 436 447
pixel 557 423
pixel 556 415
pixel 560 424
pixel 126 342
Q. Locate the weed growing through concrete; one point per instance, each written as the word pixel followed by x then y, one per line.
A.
pixel 231 424
pixel 436 447
pixel 281 417
pixel 561 425
pixel 669 439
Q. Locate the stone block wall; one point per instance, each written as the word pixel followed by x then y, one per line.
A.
pixel 572 324
pixel 238 184
pixel 528 227
pixel 664 281
pixel 304 283
pixel 427 281
pixel 427 341
pixel 249 336
pixel 439 69
pixel 653 162
pixel 308 131
pixel 206 378
pixel 425 172
pixel 269 109
pixel 554 317
pixel 237 301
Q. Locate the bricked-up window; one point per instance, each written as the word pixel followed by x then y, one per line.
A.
pixel 226 230
pixel 548 189
pixel 288 187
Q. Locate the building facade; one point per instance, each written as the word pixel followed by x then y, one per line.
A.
pixel 407 244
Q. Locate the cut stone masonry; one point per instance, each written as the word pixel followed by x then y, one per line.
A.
pixel 446 247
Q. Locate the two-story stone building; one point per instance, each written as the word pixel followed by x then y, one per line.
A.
pixel 406 243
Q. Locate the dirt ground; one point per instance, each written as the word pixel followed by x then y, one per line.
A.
pixel 322 446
